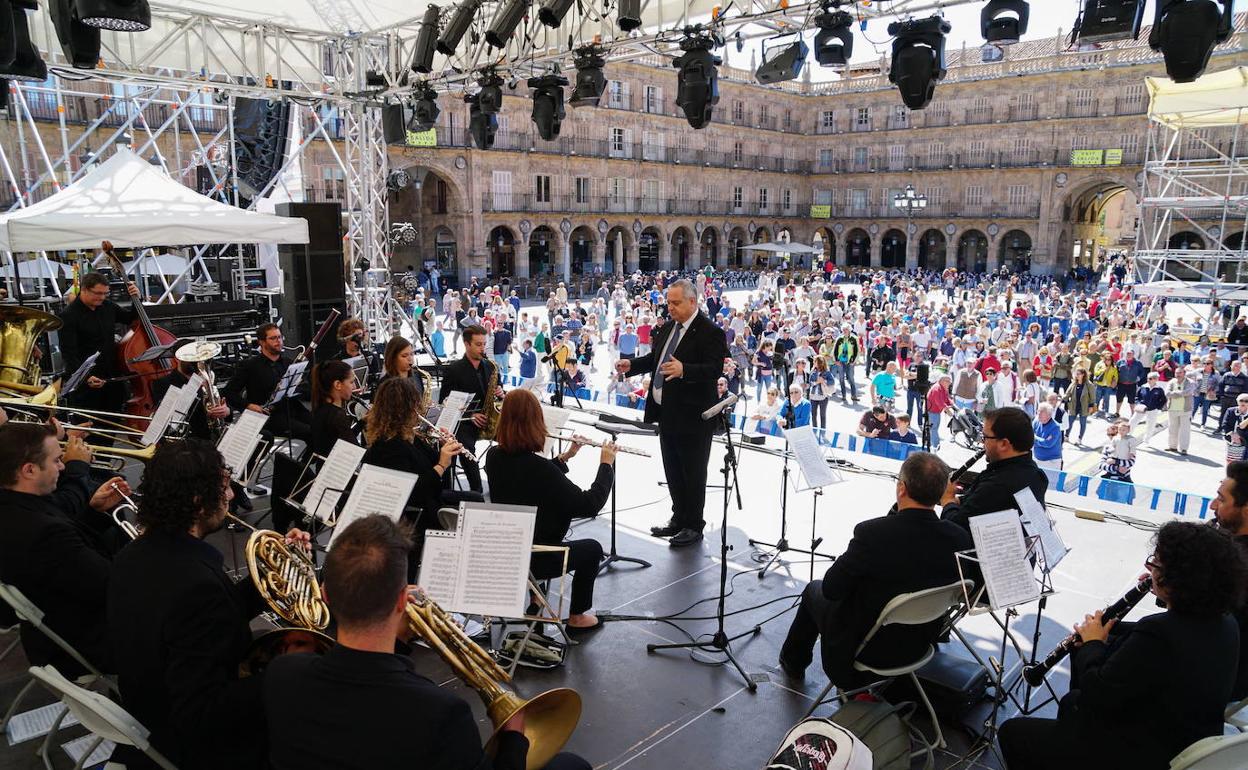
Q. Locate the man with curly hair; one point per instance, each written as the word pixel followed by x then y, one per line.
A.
pixel 179 624
pixel 1230 507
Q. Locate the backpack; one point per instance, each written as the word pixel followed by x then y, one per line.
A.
pixel 820 744
pixel 883 728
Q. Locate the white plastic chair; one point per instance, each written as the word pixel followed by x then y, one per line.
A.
pixel 105 719
pixel 912 609
pixel 1236 715
pixel 1220 752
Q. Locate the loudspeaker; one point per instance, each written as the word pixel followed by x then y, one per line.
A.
pixel 313 276
pixel 260 133
pixel 393 124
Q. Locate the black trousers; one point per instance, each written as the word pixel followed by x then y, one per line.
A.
pixel 289 417
pixel 566 760
pixel 814 617
pixel 584 556
pixel 686 449
pixel 1030 743
pixel 468 435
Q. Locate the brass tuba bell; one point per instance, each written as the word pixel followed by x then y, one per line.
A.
pixel 20 328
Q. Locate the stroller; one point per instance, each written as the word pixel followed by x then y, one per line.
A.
pixel 967 429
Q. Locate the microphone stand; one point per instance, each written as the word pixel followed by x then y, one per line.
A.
pixel 720 642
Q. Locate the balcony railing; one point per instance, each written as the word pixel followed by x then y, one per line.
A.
pixel 861 125
pixel 638 204
pixel 1034 158
pixel 979 115
pixel 1024 111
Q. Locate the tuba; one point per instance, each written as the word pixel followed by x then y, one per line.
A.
pixel 492 407
pixel 20 328
pixel 549 718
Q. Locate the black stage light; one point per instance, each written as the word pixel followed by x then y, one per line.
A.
pixel 117 15
pixel 918 58
pixel 697 83
pixel 424 109
pixel 834 42
pixel 481 125
pixel 1102 20
pixel 1186 32
pixel 8 39
pixel 628 17
pixel 491 97
pixel 548 112
pixel 426 41
pixel 782 62
pixel 1004 22
pixel 27 64
pixel 590 82
pixel 457 27
pixel 552 12
pixel 80 43
pixel 505 22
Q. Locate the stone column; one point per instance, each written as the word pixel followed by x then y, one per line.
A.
pixel 566 265
pixel 522 257
pixel 876 244
pixel 599 257
pixel 912 250
pixel 665 254
pixel 630 257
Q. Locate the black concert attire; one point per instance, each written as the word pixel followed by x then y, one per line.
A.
pixel 179 628
pixel 329 424
pixel 396 718
pixel 993 490
pixel 677 406
pixel 1240 690
pixel 463 376
pixel 527 478
pixel 1137 700
pixel 50 554
pixel 908 551
pixel 253 383
pixel 85 331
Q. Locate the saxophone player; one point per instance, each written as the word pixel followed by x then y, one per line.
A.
pixel 475 374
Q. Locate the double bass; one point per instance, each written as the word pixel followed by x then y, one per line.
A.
pixel 141 336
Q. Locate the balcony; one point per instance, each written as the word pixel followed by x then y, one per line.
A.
pixel 859 126
pixel 898 121
pixel 935 118
pixel 979 115
pixel 642 204
pixel 1076 109
pixel 1024 112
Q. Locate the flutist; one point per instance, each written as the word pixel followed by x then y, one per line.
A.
pixel 1140 696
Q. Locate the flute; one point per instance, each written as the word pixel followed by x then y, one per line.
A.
pixel 600 444
pixel 437 434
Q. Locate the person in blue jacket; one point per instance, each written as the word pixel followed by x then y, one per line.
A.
pixel 796 411
pixel 1047 451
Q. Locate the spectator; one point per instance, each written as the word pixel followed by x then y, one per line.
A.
pixel 1079 403
pixel 994 393
pixel 845 354
pixel 628 342
pixel 796 411
pixel 884 387
pixel 1105 378
pixel 939 402
pixel 763 370
pixel 1234 428
pixel 1118 454
pixel 1030 392
pixel 502 352
pixel 1208 383
pixel 768 410
pixel 820 386
pixel 877 423
pixel 1130 376
pixel 1233 383
pixel 528 361
pixel 1047 449
pixel 1180 394
pixel 574 378
pixel 1150 407
pixel 1063 366
pixel 966 386
pixel 916 388
pixel 902 432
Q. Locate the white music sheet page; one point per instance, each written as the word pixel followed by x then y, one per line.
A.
pixel 439 567
pixel 335 474
pixel 1036 521
pixel 497 543
pixel 1002 553
pixel 376 490
pixel 159 423
pixel 809 455
pixel 186 398
pixel 555 418
pixel 240 440
pixel 453 409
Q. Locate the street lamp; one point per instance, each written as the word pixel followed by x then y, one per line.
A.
pixel 908 201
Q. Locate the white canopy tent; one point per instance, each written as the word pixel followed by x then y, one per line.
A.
pixel 1216 99
pixel 1202 290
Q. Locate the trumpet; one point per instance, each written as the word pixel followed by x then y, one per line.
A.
pixel 437 437
pixel 589 442
pixel 128 503
pixel 116 457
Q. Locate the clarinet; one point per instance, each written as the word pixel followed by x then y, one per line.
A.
pixel 1035 673
pixel 963 468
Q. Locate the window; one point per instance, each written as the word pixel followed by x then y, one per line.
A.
pixel 1022 147
pixel 787 200
pixel 738 111
pixel 1134 92
pixel 788 120
pixel 654 99
pixel 618 190
pixel 620 143
pixel 935 196
pixel 858 201
pixel 762 113
pixel 1017 194
pixel 1130 144
pixel 652 195
pixel 862 117
pixel 827 121
pixel 652 145
pixel 441 198
pixel 737 199
pixel 541 188
pixel 977 151
pixel 617 94
pixel 501 186
pixel 936 153
pixel 738 152
pixel 860 156
pixel 762 198
pixel 825 157
pixel 582 189
pixel 896 157
pixel 901 117
pixel 823 197
pixel 974 195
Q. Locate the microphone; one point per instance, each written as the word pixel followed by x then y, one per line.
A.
pixel 727 403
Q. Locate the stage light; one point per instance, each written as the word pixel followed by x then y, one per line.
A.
pixel 697 82
pixel 918 58
pixel 481 125
pixel 834 42
pixel 398 180
pixel 424 109
pixel 117 15
pixel 457 27
pixel 491 96
pixel 552 12
pixel 1186 31
pixel 1004 22
pixel 426 41
pixel 782 63
pixel 1102 20
pixel 505 22
pixel 628 17
pixel 26 65
pixel 590 82
pixel 548 109
pixel 80 43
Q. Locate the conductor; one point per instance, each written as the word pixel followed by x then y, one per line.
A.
pixel 686 359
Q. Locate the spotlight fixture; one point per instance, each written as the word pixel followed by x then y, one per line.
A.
pixel 1004 22
pixel 80 43
pixel 782 63
pixel 918 58
pixel 834 42
pixel 491 96
pixel 26 64
pixel 398 180
pixel 628 17
pixel 117 15
pixel 424 109
pixel 457 27
pixel 1186 31
pixel 1101 20
pixel 548 109
pixel 505 22
pixel 481 125
pixel 552 12
pixel 697 82
pixel 590 82
pixel 426 41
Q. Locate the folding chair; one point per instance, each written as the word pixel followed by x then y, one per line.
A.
pixel 912 609
pixel 1220 752
pixel 1236 715
pixel 105 719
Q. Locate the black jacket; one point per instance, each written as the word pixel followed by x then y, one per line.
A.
pixel 85 331
pixel 994 489
pixel 179 627
pixel 1240 690
pixel 701 350
pixel 330 423
pixel 253 381
pixel 908 551
pixel 372 711
pixel 412 457
pixel 1143 700
pixel 526 478
pixel 462 375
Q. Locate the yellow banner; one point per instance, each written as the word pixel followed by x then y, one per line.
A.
pixel 423 138
pixel 1113 157
pixel 1086 157
pixel 821 211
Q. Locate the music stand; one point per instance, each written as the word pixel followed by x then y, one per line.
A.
pixel 613 556
pixel 808 472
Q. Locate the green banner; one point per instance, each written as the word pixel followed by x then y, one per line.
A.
pixel 1113 157
pixel 423 138
pixel 821 211
pixel 1087 157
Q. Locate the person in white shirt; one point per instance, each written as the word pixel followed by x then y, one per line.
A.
pixel 767 410
pixel 1180 394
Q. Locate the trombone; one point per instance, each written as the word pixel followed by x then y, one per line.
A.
pixel 116 457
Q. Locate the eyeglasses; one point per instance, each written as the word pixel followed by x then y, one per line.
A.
pixel 992 438
pixel 1152 563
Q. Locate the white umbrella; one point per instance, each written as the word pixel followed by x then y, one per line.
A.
pixel 785 248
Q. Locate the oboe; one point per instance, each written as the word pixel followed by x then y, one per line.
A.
pixel 963 468
pixel 1035 674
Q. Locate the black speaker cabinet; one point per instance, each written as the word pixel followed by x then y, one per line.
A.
pixel 313 275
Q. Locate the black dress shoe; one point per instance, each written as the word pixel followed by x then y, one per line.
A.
pixel 791 670
pixel 685 537
pixel 667 530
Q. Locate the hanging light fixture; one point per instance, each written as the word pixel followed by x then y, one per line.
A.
pixel 26 65
pixel 590 81
pixel 424 107
pixel 697 90
pixel 457 27
pixel 482 125
pixel 426 41
pixel 505 23
pixel 918 58
pixel 117 15
pixel 1004 22
pixel 834 42
pixel 1186 31
pixel 80 43
pixel 548 111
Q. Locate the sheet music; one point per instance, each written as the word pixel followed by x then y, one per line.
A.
pixel 36 723
pixel 289 382
pixel 335 474
pixel 489 557
pixel 159 423
pixel 186 398
pixel 1002 553
pixel 555 419
pixel 376 490
pixel 453 409
pixel 80 376
pixel 240 440
pixel 809 455
pixel 1036 521
pixel 439 567
pixel 77 747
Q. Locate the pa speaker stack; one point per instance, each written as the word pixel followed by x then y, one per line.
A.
pixel 261 128
pixel 313 275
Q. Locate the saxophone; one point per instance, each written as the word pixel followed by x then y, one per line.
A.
pixel 492 407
